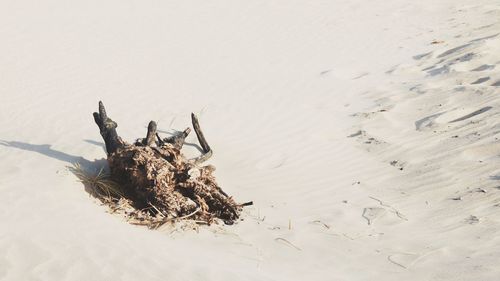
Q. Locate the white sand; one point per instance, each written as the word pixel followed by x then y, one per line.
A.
pixel 279 86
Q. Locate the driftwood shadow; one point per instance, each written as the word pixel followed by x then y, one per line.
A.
pixel 72 160
pixel 47 150
pixel 97 143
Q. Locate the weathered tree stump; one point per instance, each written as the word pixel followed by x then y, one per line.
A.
pixel 155 176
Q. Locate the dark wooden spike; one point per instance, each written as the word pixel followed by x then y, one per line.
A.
pixel 107 128
pixel 199 134
pixel 186 132
pixel 102 111
pixel 207 151
pixel 178 140
pixel 150 137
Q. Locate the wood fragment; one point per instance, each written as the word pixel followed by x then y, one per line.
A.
pixel 207 151
pixel 199 133
pixel 247 204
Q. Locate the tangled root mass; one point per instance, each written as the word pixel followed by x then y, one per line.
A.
pixel 159 183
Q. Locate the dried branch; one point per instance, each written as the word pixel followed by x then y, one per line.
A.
pixel 207 151
pixel 107 128
pixel 177 140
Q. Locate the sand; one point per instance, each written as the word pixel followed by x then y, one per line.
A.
pixel 365 133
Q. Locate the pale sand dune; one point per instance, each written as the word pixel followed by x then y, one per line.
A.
pixel 365 132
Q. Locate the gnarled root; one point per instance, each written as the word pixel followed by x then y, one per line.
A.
pixel 156 176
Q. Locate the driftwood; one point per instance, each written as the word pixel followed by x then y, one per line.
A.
pixel 155 176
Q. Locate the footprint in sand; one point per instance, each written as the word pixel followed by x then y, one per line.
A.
pixel 272 161
pixel 421 56
pixel 392 69
pixel 461 114
pixel 426 122
pixel 483 152
pixel 480 80
pixel 398 164
pixel 453 50
pixel 345 73
pixel 472 114
pixel 418 89
pixel 472 220
pixel 372 213
pixel 445 66
pixel 484 38
pixel 369 143
pixel 361 75
pixel 438 71
pixel 484 67
pixel 466 57
pixel 484 26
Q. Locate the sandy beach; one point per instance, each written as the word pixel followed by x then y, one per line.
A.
pixel 365 133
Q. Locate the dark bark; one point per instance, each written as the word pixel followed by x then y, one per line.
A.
pixel 150 136
pixel 107 128
pixel 199 134
pixel 207 150
pixel 178 140
pixel 154 173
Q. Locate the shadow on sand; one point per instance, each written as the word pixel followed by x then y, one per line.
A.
pixel 75 164
pixel 47 150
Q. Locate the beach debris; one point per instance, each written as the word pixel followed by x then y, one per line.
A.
pixel 158 184
pixel 288 243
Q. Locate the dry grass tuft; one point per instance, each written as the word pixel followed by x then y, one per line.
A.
pixel 98 182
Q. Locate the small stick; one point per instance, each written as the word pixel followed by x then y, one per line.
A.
pixel 247 204
pixel 107 128
pixel 207 151
pixel 199 134
pixel 394 210
pixel 287 242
